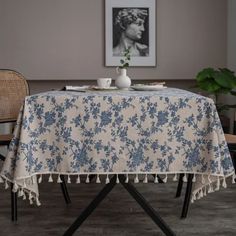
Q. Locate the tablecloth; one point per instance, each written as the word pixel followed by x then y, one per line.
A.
pixel 136 133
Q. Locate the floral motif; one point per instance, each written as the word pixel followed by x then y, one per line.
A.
pixel 167 131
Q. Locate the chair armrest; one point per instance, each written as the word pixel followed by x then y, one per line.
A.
pixel 230 138
pixel 7 121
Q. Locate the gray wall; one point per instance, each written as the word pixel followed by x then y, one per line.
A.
pixel 231 52
pixel 231 42
pixel 64 40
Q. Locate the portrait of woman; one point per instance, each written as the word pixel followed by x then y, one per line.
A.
pixel 130 30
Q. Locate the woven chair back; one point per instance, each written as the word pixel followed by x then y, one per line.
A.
pixel 13 89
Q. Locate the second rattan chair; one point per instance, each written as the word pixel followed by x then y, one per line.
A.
pixel 13 89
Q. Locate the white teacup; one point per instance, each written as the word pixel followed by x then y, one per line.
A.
pixel 104 82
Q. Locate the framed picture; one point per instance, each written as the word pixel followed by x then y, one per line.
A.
pixel 130 24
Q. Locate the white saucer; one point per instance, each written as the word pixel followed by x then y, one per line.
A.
pixel 148 87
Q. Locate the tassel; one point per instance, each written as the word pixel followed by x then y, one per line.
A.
pixel 20 193
pixel 175 178
pixel 107 179
pixel 156 179
pixel 210 190
pixel 40 180
pixel 203 180
pixel 136 180
pixel 50 179
pixel 78 180
pixel 201 193
pixel 15 187
pixel 165 179
pixel 117 179
pixel 29 181
pixel 98 181
pixel 127 179
pixel 194 178
pixel 24 197
pixel 209 179
pixel 217 184
pixel 145 181
pixel 1 180
pixel 233 179
pixel 6 185
pixel 87 180
pixel 24 184
pixel 33 178
pixel 68 179
pixel 185 178
pixel 198 196
pixel 205 191
pixel 224 185
pixel 59 179
pixel 30 196
pixel 38 202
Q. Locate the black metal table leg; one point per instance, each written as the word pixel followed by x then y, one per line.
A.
pixel 64 190
pixel 160 181
pixel 180 185
pixel 134 193
pixel 91 177
pixel 187 196
pixel 13 194
pixel 13 205
pixel 2 157
pixel 91 207
pixel 146 207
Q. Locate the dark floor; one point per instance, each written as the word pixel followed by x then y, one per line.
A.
pixel 119 214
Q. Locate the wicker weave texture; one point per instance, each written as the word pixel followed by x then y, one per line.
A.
pixel 230 138
pixel 13 89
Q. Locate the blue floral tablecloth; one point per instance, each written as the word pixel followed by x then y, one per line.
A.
pixel 165 132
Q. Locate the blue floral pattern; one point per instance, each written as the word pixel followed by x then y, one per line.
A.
pixel 166 131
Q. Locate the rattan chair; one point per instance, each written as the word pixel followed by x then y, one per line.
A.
pixel 13 89
pixel 231 141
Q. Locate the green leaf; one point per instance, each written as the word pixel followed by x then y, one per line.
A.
pixel 205 74
pixel 209 85
pixel 227 71
pixel 224 90
pixel 220 81
pixel 126 65
pixel 125 61
pixel 225 79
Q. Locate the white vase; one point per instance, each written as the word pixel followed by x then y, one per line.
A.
pixel 122 81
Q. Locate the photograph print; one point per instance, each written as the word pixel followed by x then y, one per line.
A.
pixel 130 24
